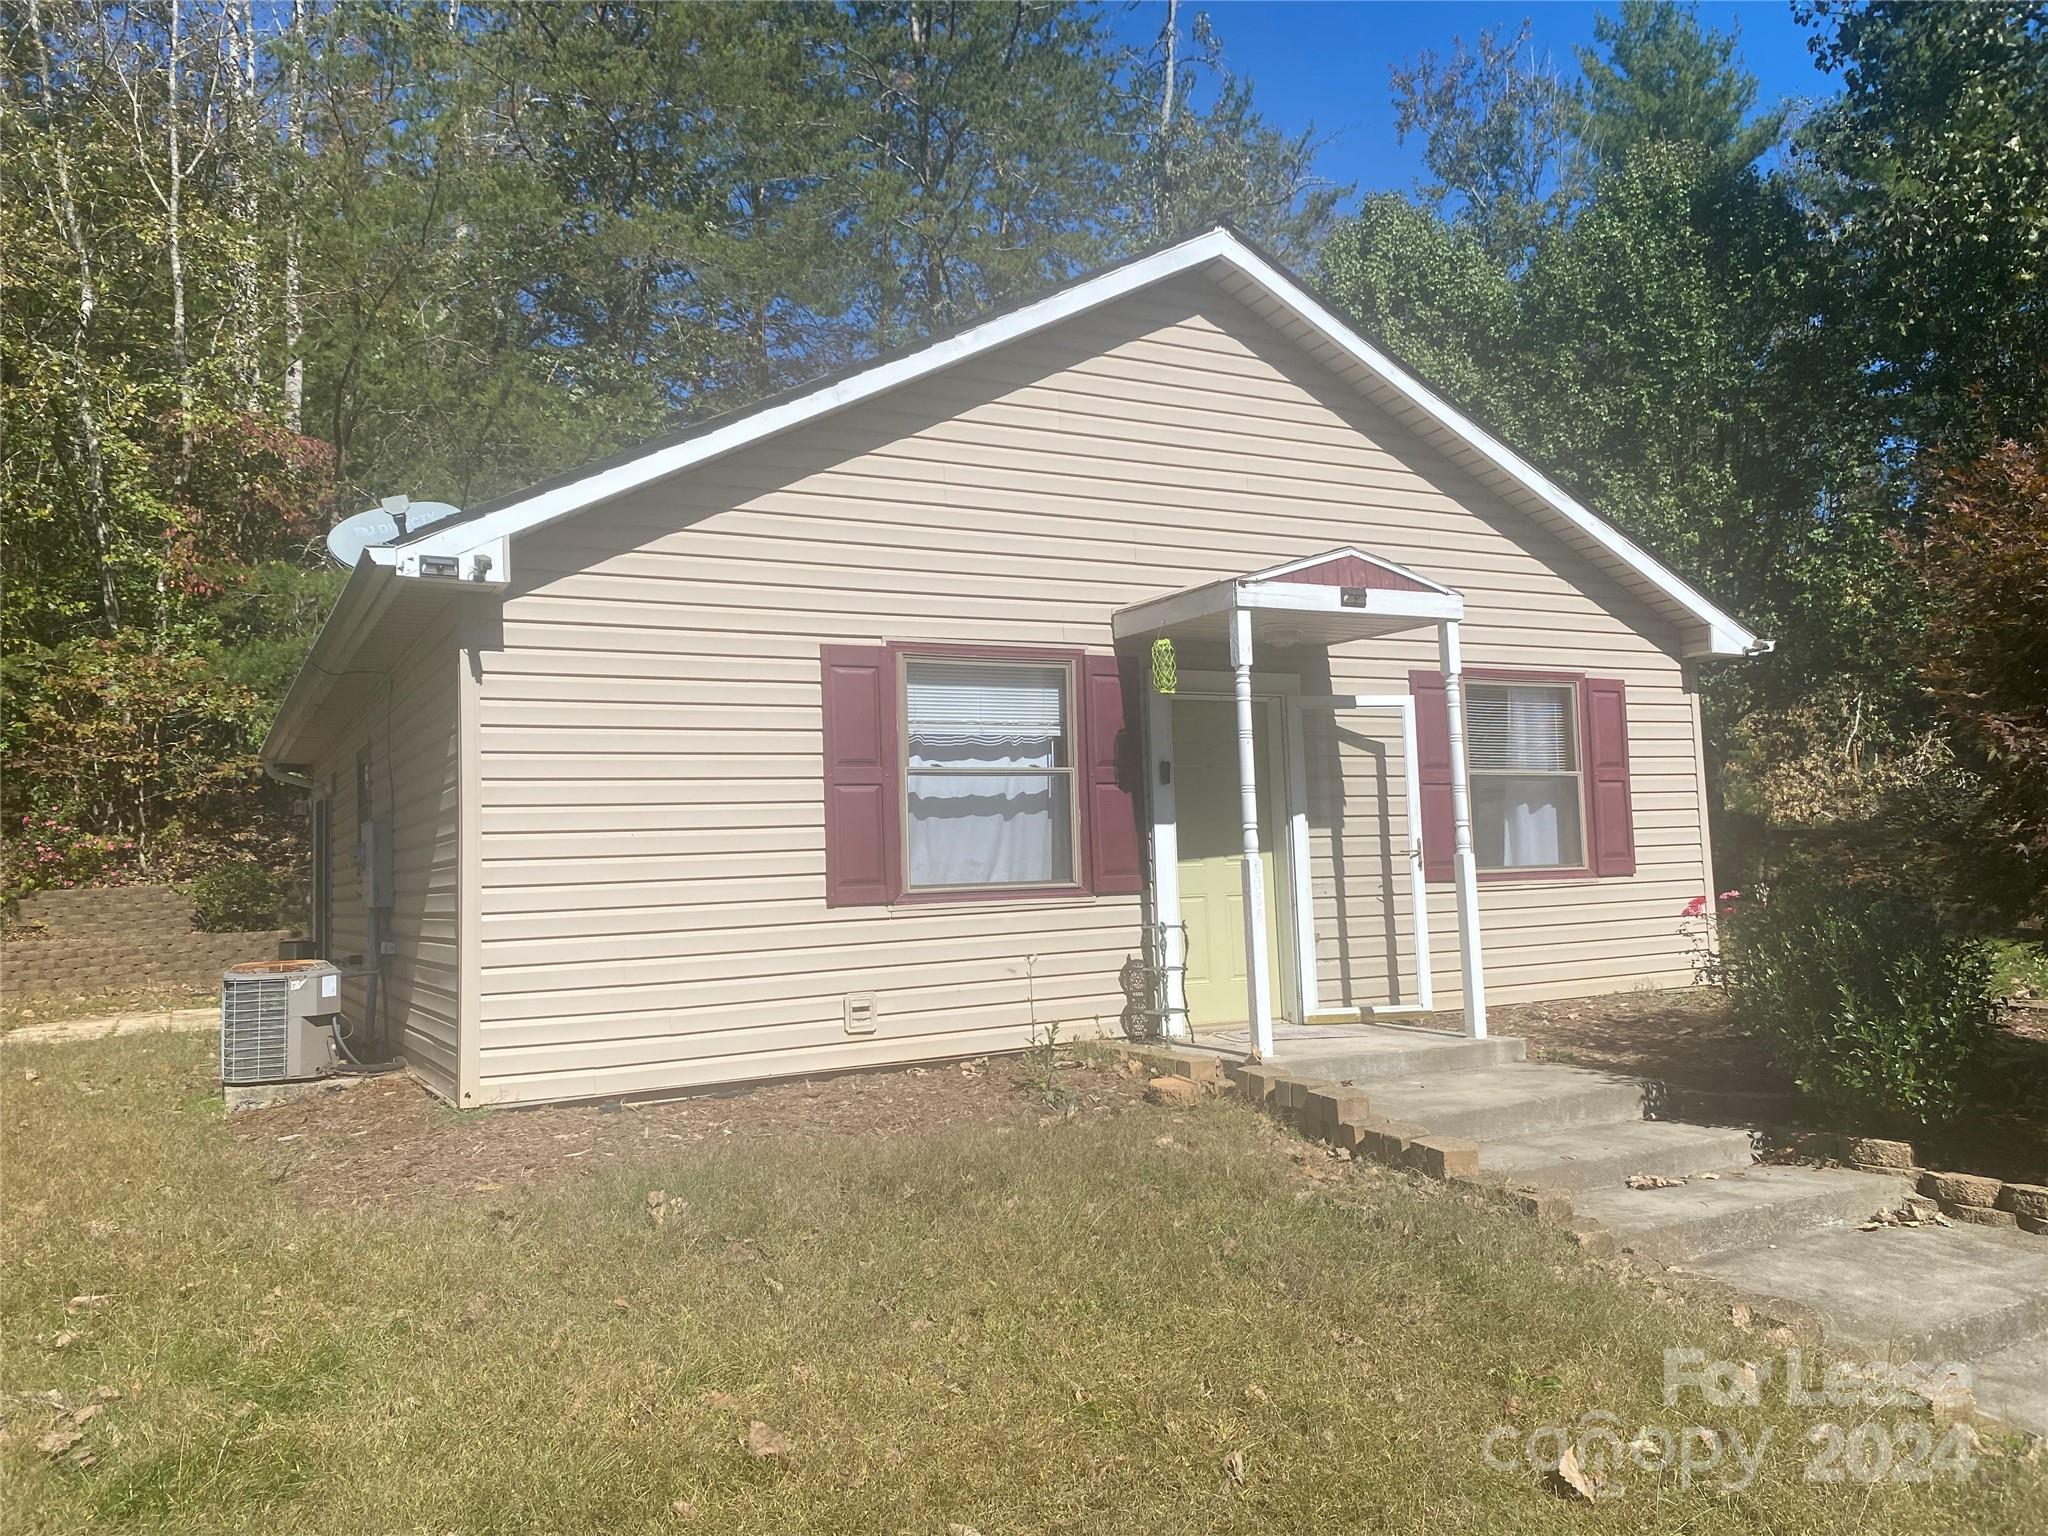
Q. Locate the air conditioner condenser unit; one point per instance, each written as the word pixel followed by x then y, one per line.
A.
pixel 276 1019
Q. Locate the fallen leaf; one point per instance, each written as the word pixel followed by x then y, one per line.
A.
pixel 622 1304
pixel 775 1287
pixel 64 1339
pixel 87 1303
pixel 1573 1477
pixel 1652 1181
pixel 1233 1467
pixel 718 1400
pixel 1256 1394
pixel 30 1074
pixel 59 1440
pixel 1739 1314
pixel 761 1442
pixel 657 1206
pixel 955 1528
pixel 683 1509
pixel 87 1414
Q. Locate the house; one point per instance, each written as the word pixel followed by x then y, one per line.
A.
pixel 1041 675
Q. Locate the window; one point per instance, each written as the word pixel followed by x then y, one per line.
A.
pixel 988 774
pixel 1522 749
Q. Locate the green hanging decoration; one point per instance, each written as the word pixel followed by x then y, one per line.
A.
pixel 1164 677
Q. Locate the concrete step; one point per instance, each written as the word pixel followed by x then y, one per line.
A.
pixel 1603 1156
pixel 1363 1054
pixel 2011 1384
pixel 1496 1103
pixel 1930 1294
pixel 1738 1210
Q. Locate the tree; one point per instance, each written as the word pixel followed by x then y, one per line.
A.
pixel 1499 137
pixel 1932 188
pixel 1663 80
pixel 1197 165
pixel 1984 566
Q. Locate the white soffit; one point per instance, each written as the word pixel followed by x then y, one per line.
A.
pixel 1254 281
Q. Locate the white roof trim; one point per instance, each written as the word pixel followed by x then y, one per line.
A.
pixel 1723 635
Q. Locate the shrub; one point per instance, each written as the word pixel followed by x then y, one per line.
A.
pixel 1873 1005
pixel 234 898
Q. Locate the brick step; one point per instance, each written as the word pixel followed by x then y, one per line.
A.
pixel 1738 1210
pixel 1603 1156
pixel 1499 1103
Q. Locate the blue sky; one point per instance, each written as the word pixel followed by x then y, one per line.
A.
pixel 1326 61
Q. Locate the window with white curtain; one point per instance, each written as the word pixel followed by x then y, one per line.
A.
pixel 1522 750
pixel 988 774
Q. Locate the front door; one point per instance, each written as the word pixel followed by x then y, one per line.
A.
pixel 1211 840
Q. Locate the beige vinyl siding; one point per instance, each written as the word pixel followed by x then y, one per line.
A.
pixel 650 809
pixel 410 739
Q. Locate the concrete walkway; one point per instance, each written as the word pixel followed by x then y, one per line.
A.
pixel 177 1020
pixel 1790 1238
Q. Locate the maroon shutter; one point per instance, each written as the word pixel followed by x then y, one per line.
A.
pixel 1612 836
pixel 861 777
pixel 1114 767
pixel 1433 767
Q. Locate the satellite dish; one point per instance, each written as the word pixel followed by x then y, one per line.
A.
pixel 347 539
pixel 394 518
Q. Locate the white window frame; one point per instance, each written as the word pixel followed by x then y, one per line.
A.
pixel 1575 714
pixel 1070 703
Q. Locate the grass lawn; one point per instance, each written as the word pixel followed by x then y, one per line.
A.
pixel 1132 1321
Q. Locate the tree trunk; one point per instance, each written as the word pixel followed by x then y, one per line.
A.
pixel 1162 190
pixel 243 326
pixel 91 454
pixel 295 147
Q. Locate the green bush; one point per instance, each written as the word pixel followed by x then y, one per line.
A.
pixel 234 898
pixel 1874 1006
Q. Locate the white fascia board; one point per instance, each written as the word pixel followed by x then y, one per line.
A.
pixel 604 485
pixel 1302 598
pixel 1176 609
pixel 1724 636
pixel 364 597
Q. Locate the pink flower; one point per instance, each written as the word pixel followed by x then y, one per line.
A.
pixel 1697 907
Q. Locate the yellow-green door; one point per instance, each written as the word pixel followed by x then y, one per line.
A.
pixel 1207 814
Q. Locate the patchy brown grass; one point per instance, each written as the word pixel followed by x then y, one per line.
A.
pixel 1134 1321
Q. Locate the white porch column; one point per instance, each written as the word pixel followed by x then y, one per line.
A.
pixel 1166 864
pixel 1464 867
pixel 1258 986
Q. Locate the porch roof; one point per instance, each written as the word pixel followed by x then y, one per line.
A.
pixel 1342 594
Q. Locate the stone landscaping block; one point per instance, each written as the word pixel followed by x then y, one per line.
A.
pixel 1388 1140
pixel 2035 1224
pixel 1256 1082
pixel 2029 1200
pixel 1876 1155
pixel 1965 1189
pixel 1547 1205
pixel 1174 1092
pixel 1444 1157
pixel 1324 1108
pixel 1980 1215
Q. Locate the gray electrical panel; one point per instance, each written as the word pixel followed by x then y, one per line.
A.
pixel 373 862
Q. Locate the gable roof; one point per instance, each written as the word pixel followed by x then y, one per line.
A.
pixel 1241 270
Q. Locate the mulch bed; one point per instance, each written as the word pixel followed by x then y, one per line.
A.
pixel 1687 1041
pixel 386 1142
pixel 1684 1039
